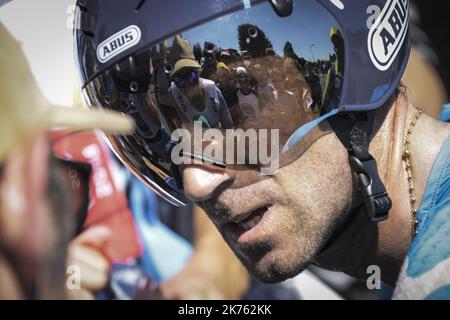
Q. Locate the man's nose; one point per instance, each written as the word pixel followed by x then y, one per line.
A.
pixel 202 182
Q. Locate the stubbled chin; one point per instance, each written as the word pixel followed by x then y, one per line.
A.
pixel 269 269
pixel 269 265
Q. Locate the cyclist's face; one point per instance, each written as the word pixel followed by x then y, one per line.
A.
pixel 277 224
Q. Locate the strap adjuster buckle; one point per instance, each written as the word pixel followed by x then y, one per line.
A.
pixel 376 199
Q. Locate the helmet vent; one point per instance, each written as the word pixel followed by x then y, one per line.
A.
pixel 88 33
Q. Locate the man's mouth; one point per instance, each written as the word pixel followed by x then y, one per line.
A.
pixel 250 219
pixel 249 226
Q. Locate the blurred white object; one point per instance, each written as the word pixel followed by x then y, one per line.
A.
pixel 42 28
pixel 24 110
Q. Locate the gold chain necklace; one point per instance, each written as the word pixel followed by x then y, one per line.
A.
pixel 407 160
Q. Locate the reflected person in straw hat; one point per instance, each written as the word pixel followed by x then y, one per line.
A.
pixel 36 207
pixel 196 98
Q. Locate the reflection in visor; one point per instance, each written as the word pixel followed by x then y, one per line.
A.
pixel 248 70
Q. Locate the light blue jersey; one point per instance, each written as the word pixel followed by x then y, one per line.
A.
pixel 426 271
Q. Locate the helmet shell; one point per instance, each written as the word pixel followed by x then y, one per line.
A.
pixel 375 38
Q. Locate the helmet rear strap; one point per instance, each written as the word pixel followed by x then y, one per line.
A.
pixel 354 130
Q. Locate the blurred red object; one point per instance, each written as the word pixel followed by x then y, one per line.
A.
pixel 108 204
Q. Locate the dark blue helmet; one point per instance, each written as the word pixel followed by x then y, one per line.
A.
pixel 303 60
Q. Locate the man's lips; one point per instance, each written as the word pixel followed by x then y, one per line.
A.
pixel 244 216
pixel 248 226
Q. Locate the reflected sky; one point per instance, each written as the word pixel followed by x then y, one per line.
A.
pixel 310 17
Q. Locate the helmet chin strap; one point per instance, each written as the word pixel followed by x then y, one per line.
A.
pixel 354 130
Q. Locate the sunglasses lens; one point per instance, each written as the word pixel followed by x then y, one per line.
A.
pixel 179 82
pixel 189 79
pixel 193 78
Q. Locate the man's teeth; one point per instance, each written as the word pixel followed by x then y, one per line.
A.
pixel 250 223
